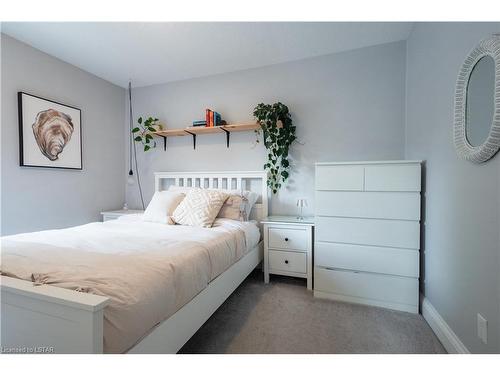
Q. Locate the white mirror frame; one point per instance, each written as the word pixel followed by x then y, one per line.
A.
pixel 482 153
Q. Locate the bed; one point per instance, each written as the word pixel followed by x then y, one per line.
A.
pixel 165 283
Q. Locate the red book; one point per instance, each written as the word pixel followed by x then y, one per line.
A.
pixel 211 119
pixel 207 117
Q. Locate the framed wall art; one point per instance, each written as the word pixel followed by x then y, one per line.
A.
pixel 50 133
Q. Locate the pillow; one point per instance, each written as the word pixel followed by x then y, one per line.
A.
pixel 231 208
pixel 200 207
pixel 162 206
pixel 239 205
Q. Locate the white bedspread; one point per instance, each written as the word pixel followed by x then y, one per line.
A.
pixel 148 270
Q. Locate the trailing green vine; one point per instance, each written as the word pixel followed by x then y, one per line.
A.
pixel 142 132
pixel 279 133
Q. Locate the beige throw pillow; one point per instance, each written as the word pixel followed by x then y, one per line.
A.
pixel 240 206
pixel 199 208
pixel 232 208
pixel 237 207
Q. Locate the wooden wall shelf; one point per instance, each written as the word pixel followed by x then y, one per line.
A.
pixel 197 130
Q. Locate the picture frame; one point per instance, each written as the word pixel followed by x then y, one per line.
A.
pixel 50 133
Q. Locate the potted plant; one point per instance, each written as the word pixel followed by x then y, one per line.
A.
pixel 278 133
pixel 142 132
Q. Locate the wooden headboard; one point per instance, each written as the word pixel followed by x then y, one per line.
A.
pixel 255 181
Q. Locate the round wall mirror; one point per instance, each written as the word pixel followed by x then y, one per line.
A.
pixel 477 103
pixel 480 103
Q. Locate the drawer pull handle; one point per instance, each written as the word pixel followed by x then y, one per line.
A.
pixel 286 261
pixel 286 239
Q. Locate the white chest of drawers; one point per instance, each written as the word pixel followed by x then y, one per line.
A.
pixel 288 247
pixel 367 234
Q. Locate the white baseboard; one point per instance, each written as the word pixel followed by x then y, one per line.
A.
pixel 445 334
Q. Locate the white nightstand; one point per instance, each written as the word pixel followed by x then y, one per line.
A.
pixel 112 215
pixel 288 247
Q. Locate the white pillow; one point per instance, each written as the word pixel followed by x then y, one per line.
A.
pixel 200 207
pixel 229 209
pixel 162 206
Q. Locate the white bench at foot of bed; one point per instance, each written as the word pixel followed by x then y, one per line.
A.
pixel 45 319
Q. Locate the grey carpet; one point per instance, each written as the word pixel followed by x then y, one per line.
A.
pixel 284 317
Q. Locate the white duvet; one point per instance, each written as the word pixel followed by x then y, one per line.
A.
pixel 148 270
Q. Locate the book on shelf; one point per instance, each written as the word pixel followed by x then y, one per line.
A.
pixel 217 119
pixel 207 117
pixel 212 119
pixel 200 123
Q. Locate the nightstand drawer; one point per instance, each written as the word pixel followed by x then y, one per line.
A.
pixel 289 239
pixel 287 261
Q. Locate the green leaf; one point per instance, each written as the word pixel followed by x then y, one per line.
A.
pixel 151 129
pixel 284 174
pixel 140 120
pixel 138 139
pixel 146 148
pixel 135 130
pixel 149 136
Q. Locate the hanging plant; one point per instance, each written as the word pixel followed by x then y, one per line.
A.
pixel 279 133
pixel 142 132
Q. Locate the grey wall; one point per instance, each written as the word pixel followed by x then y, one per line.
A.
pixel 462 254
pixel 347 106
pixel 36 198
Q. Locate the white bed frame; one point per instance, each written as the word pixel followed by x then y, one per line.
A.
pixel 44 318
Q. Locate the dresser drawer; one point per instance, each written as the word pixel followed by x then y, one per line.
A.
pixel 401 262
pixel 377 205
pixel 390 289
pixel 288 238
pixel 392 177
pixel 374 232
pixel 287 261
pixel 339 177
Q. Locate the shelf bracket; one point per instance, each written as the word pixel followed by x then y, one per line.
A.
pixel 194 139
pixel 164 142
pixel 228 133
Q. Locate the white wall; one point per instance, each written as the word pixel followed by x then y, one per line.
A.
pixel 36 198
pixel 462 200
pixel 347 106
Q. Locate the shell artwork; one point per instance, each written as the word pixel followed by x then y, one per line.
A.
pixel 52 130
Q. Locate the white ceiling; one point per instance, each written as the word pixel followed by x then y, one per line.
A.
pixel 152 53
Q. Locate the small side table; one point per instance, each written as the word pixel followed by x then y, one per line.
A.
pixel 115 214
pixel 288 247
